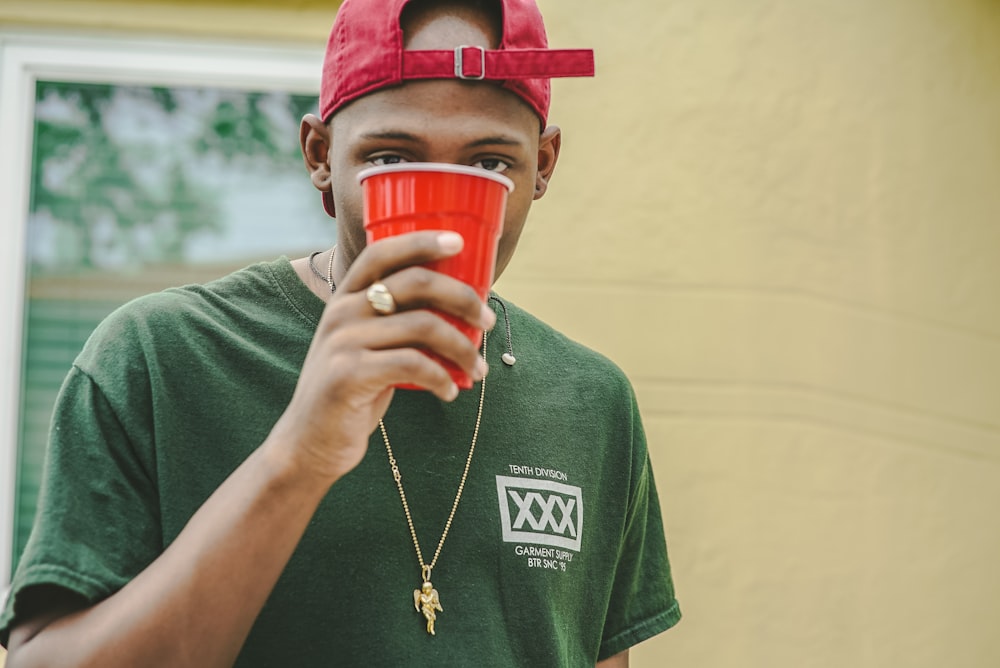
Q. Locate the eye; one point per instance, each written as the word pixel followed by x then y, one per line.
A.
pixel 382 160
pixel 493 165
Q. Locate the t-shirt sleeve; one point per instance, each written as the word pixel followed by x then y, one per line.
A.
pixel 97 524
pixel 642 601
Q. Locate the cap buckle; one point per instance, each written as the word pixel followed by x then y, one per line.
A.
pixel 460 63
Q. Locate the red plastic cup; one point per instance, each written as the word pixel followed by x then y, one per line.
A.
pixel 415 196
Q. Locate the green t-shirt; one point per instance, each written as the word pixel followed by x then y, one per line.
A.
pixel 556 556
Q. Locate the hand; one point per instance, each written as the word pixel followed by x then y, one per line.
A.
pixel 357 356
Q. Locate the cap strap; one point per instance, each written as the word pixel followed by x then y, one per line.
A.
pixel 475 62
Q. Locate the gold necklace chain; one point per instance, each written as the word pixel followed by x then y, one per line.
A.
pixel 426 599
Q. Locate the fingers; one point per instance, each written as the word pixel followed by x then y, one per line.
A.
pixel 352 325
pixel 421 330
pixel 387 256
pixel 394 262
pixel 422 288
pixel 409 366
pixel 391 345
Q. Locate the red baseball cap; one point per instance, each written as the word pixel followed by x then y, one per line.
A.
pixel 365 53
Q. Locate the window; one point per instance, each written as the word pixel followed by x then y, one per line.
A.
pixel 129 166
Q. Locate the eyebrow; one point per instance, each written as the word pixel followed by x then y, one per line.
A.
pixel 398 135
pixel 495 140
pixel 391 134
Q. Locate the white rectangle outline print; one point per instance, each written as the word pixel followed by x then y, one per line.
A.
pixel 511 536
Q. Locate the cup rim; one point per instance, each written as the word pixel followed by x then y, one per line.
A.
pixel 435 167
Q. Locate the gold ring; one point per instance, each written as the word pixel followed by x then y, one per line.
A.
pixel 381 299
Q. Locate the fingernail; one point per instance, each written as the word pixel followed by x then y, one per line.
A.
pixel 450 242
pixel 488 317
pixel 452 393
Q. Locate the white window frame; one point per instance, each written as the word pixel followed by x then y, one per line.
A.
pixel 29 56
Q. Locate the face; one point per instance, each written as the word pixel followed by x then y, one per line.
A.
pixel 465 123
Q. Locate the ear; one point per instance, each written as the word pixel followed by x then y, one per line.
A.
pixel 315 138
pixel 548 154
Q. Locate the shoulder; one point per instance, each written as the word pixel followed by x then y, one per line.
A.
pixel 560 380
pixel 539 345
pixel 168 319
pixel 255 284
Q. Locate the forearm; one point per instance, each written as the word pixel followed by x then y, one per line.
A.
pixel 195 604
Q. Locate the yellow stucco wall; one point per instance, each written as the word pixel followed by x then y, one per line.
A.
pixel 782 218
pixel 791 221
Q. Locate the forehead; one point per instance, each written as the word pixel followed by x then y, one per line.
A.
pixel 438 108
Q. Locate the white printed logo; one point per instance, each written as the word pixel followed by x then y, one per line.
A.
pixel 541 512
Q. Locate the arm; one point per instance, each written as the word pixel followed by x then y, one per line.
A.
pixel 195 604
pixel 619 660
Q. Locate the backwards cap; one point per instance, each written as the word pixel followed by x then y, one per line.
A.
pixel 365 53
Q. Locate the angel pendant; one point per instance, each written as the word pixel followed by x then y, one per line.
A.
pixel 426 600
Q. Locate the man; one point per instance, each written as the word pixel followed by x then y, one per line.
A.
pixel 232 478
